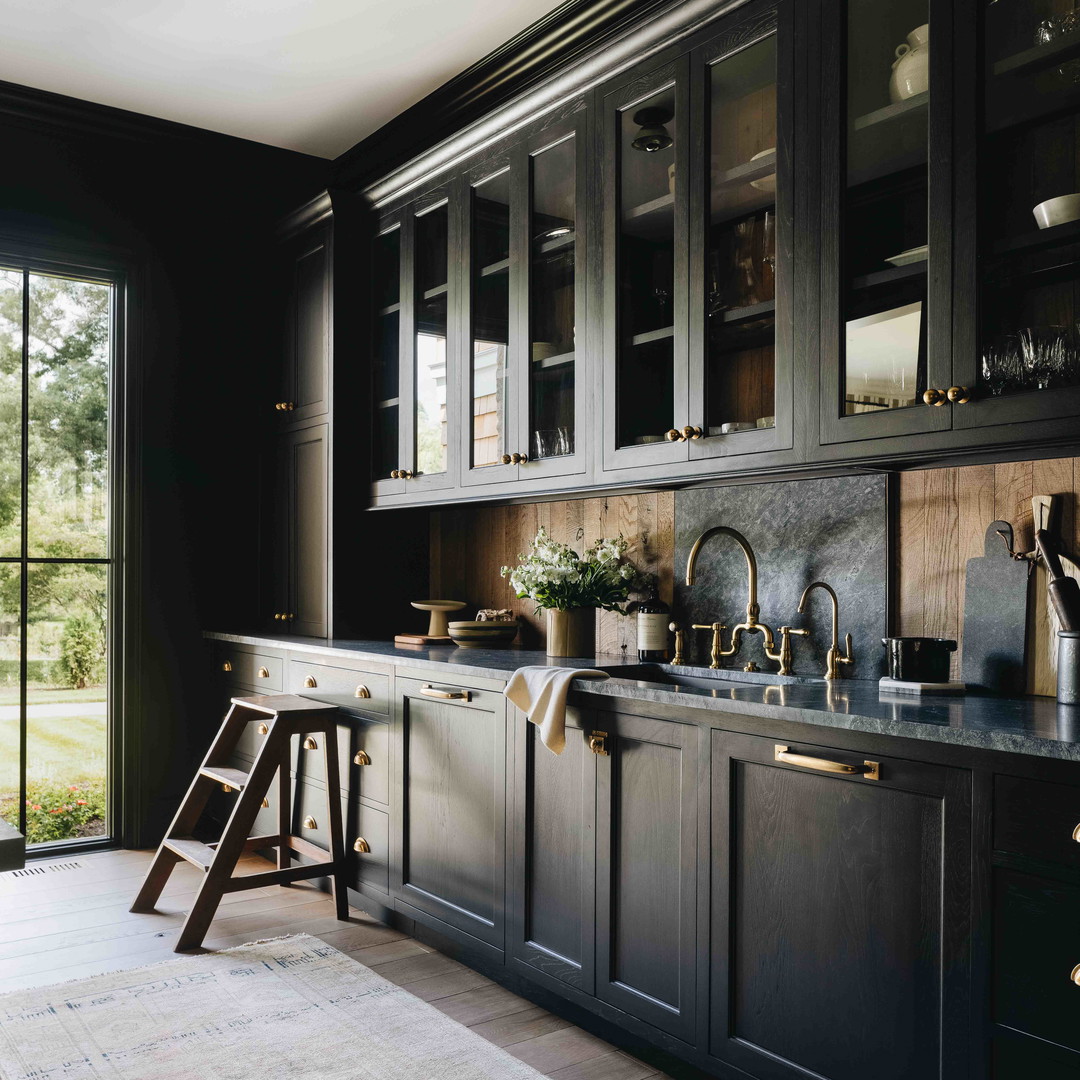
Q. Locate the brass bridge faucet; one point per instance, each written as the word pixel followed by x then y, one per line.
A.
pixel 751 625
pixel 835 656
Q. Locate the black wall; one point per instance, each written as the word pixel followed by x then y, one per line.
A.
pixel 193 213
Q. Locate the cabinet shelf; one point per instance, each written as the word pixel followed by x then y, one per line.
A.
pixel 431 294
pixel 1040 57
pixel 388 403
pixel 734 316
pixel 390 309
pixel 1068 233
pixel 650 220
pixel 500 267
pixel 890 276
pixel 896 111
pixel 562 360
pixel 747 171
pixel 653 335
pixel 557 245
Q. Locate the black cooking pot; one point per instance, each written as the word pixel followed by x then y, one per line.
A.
pixel 919 659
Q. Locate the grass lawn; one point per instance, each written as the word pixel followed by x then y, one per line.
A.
pixel 60 749
pixel 40 697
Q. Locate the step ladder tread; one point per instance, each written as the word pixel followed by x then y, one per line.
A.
pixel 272 704
pixel 194 851
pixel 235 778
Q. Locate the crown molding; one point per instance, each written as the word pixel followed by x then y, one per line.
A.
pixel 602 39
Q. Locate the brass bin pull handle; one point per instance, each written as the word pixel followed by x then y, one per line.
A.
pixel 1075 976
pixel 870 770
pixel 309 682
pixel 361 846
pixel 1076 834
pixel 263 729
pixel 457 695
pixel 262 673
pixel 226 666
pixel 361 758
pixel 362 691
pixel 310 744
pixel 310 822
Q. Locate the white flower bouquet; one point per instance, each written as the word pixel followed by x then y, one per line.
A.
pixel 555 576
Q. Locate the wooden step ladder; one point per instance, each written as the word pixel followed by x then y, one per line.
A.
pixel 281 717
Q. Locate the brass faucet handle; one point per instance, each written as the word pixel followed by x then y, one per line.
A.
pixel 709 626
pixel 717 649
pixel 680 642
pixel 848 657
pixel 793 630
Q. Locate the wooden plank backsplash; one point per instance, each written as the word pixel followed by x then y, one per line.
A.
pixel 943 517
pixel 469 544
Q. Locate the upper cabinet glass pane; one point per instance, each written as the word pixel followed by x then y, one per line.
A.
pixel 885 220
pixel 490 306
pixel 552 316
pixel 1029 209
pixel 647 140
pixel 741 239
pixel 386 275
pixel 429 396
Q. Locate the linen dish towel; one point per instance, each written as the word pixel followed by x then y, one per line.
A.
pixel 540 692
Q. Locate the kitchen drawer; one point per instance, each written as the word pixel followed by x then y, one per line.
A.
pixel 348 687
pixel 371 740
pixel 309 805
pixel 1036 949
pixel 1032 817
pixel 1025 1059
pixel 371 867
pixel 259 670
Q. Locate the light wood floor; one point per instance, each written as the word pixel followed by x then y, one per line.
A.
pixel 58 924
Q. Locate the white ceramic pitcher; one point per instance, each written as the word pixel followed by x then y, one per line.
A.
pixel 911 68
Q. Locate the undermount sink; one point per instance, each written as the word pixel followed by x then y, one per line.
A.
pixel 702 678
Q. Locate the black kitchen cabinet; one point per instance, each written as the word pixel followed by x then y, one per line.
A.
pixel 647 942
pixel 448 850
pixel 840 913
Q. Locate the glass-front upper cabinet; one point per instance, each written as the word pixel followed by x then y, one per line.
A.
pixel 414 290
pixel 886 289
pixel 741 319
pixel 1019 359
pixel 646 152
pixel 523 236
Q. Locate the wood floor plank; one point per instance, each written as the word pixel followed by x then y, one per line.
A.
pixel 613 1066
pixel 480 1005
pixel 414 968
pixel 440 986
pixel 518 1027
pixel 559 1049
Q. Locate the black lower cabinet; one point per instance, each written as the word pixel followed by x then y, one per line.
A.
pixel 448 852
pixel 1027 1059
pixel 552 882
pixel 646 870
pixel 840 915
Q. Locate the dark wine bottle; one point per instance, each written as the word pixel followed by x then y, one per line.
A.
pixel 653 617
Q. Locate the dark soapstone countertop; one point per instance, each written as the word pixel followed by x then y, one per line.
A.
pixel 1026 725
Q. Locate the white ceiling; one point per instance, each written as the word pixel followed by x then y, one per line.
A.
pixel 310 75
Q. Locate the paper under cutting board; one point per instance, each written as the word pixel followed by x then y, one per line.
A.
pixel 995 616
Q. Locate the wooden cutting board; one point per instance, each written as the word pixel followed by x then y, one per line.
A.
pixel 995 616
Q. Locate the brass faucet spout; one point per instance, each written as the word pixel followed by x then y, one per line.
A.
pixel 752 609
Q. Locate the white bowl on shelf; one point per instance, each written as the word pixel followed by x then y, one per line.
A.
pixel 1057 211
pixel 764 183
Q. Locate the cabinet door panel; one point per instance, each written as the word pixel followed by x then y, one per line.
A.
pixel 371 867
pixel 451 858
pixel 647 872
pixel 305 474
pixel 308 334
pixel 830 900
pixel 551 915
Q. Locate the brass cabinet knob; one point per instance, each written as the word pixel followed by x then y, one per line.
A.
pixel 505 459
pixel 361 846
pixel 674 435
pixel 362 692
pixel 934 397
pixel 1075 976
pixel 226 666
pixel 404 474
pixel 285 406
pixel 226 789
pixel 263 729
pixel 519 459
pixel 690 432
pixel 959 395
pixel 289 616
pixel 395 474
pixel 309 682
pixel 361 758
pixel 278 616
pixel 310 744
pixel 310 822
pixel 263 673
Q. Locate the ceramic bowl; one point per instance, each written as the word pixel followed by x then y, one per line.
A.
pixel 1057 211
pixel 482 635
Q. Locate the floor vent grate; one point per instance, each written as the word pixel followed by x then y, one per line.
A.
pixel 32 871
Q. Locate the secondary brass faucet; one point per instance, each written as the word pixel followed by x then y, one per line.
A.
pixel 751 625
pixel 835 656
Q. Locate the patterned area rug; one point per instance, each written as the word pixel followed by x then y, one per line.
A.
pixel 289 1008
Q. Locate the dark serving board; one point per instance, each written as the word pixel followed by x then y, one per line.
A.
pixel 995 616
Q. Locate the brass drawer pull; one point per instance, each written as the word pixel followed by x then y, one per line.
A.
pixel 310 744
pixel 871 770
pixel 361 758
pixel 1076 834
pixel 226 789
pixel 310 822
pixel 265 803
pixel 362 691
pixel 226 666
pixel 1075 976
pixel 361 846
pixel 262 673
pixel 598 743
pixel 262 729
pixel 457 695
pixel 309 682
